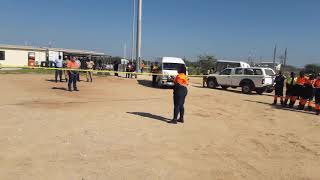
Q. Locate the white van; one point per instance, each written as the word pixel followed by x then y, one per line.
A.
pixel 223 64
pixel 276 66
pixel 168 69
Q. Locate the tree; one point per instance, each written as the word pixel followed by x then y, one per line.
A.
pixel 312 68
pixel 206 62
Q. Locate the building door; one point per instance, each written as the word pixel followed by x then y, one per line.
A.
pixel 31 59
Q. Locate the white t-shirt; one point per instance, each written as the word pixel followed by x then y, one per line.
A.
pixel 58 63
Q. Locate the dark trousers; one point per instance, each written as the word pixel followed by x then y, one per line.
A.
pixel 127 74
pixel 154 80
pixel 179 96
pixel 317 96
pixel 58 73
pixel 72 80
pixel 89 76
pixel 78 76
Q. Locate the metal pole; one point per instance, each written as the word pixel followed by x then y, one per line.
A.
pixel 138 50
pixel 133 31
pixel 274 57
pixel 125 51
pixel 285 59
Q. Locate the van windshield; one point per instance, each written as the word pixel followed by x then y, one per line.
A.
pixel 171 66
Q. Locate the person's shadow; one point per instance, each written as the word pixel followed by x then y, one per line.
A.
pixel 151 116
pixel 60 88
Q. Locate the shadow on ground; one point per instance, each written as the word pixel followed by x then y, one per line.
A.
pixel 52 80
pixel 60 88
pixel 151 116
pixel 282 108
pixel 148 83
pixel 145 83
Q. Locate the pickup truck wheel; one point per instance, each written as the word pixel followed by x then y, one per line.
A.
pixel 211 83
pixel 269 90
pixel 246 88
pixel 224 87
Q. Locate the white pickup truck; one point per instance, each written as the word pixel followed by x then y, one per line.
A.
pixel 249 79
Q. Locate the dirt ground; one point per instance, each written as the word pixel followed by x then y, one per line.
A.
pixel 115 128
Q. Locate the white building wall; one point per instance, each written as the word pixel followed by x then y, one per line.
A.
pixel 20 57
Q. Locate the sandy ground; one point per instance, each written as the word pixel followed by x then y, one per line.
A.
pixel 115 128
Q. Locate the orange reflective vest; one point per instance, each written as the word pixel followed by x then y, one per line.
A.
pixel 301 80
pixel 317 83
pixel 181 79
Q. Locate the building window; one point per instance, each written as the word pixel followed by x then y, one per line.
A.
pixel 2 55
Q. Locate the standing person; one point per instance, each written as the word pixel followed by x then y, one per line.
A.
pixel 154 70
pixel 73 75
pixel 79 64
pixel 205 78
pixel 133 70
pixel 279 80
pixel 142 67
pixel 310 91
pixel 58 64
pixel 316 86
pixel 180 92
pixel 128 69
pixel 65 72
pixel 90 65
pixel 116 68
pixel 290 90
pixel 301 89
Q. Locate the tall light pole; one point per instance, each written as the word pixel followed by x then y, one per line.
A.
pixel 139 26
pixel 285 59
pixel 274 57
pixel 133 31
pixel 125 51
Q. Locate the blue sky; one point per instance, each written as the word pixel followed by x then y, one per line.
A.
pixel 229 29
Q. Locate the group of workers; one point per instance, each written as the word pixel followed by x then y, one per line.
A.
pixel 130 69
pixel 72 76
pixel 304 88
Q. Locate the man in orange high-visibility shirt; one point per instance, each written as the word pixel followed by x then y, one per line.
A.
pixel 310 91
pixel 316 86
pixel 301 90
pixel 73 75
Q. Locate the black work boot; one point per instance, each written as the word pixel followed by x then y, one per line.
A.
pixel 291 104
pixel 75 89
pixel 181 120
pixel 301 107
pixel 69 89
pixel 274 102
pixel 281 102
pixel 173 121
pixel 284 104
